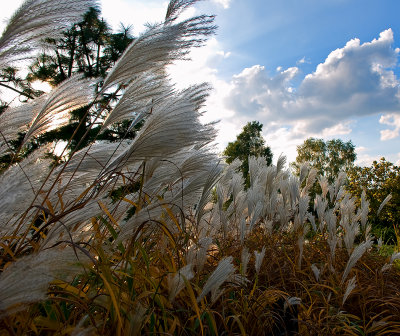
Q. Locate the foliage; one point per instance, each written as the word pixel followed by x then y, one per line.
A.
pixel 91 49
pixel 249 142
pixel 76 259
pixel 379 180
pixel 88 47
pixel 328 158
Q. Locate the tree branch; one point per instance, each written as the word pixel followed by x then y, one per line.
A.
pixel 16 90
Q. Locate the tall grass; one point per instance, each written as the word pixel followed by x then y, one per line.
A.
pixel 157 236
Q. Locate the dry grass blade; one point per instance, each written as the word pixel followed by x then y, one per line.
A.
pixel 176 7
pixel 26 280
pixel 36 20
pixel 71 94
pixel 385 201
pixel 355 256
pixel 223 271
pixel 159 46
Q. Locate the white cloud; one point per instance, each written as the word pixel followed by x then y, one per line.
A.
pixel 361 149
pixel 203 68
pixel 223 3
pixel 397 163
pixel 7 10
pixel 133 12
pixel 365 156
pixel 354 81
pixel 365 159
pixel 303 61
pixel 390 120
pixel 338 129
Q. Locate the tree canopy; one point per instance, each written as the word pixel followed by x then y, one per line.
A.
pixel 328 158
pixel 249 142
pixel 379 180
pixel 89 48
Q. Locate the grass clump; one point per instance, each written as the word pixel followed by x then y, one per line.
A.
pixel 156 236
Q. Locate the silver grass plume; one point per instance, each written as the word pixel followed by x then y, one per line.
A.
pixel 26 280
pixel 302 213
pixel 300 242
pixel 256 215
pixel 159 46
pixel 168 129
pixel 245 258
pixel 15 120
pixel 223 271
pixel 176 7
pixel 364 210
pixel 316 271
pixel 197 254
pixel 71 94
pixel 294 191
pixel 212 178
pixel 311 219
pixel 351 284
pixel 333 238
pixel 145 91
pixel 80 330
pixel 385 201
pixel 320 205
pixel 303 172
pixel 280 164
pixel 291 301
pixel 395 256
pixel 380 242
pixel 189 193
pixel 238 280
pixel 136 317
pixel 19 185
pixel 323 182
pixel 147 215
pixel 312 175
pixel 335 190
pixel 177 282
pixel 259 259
pixel 242 230
pixel 36 20
pixel 351 232
pixel 355 256
pixel 95 158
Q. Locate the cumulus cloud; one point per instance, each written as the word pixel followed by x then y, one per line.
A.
pixel 392 120
pixel 204 68
pixel 7 10
pixel 303 60
pixel 397 163
pixel 133 12
pixel 223 3
pixel 354 81
pixel 365 159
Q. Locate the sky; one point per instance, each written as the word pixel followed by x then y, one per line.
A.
pixel 310 68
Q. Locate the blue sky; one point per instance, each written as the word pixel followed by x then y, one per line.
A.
pixel 322 68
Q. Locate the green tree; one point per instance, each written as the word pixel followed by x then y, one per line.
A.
pixel 89 47
pixel 12 80
pixel 249 142
pixel 379 180
pixel 329 158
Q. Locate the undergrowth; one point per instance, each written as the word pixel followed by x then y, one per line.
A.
pixel 156 235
